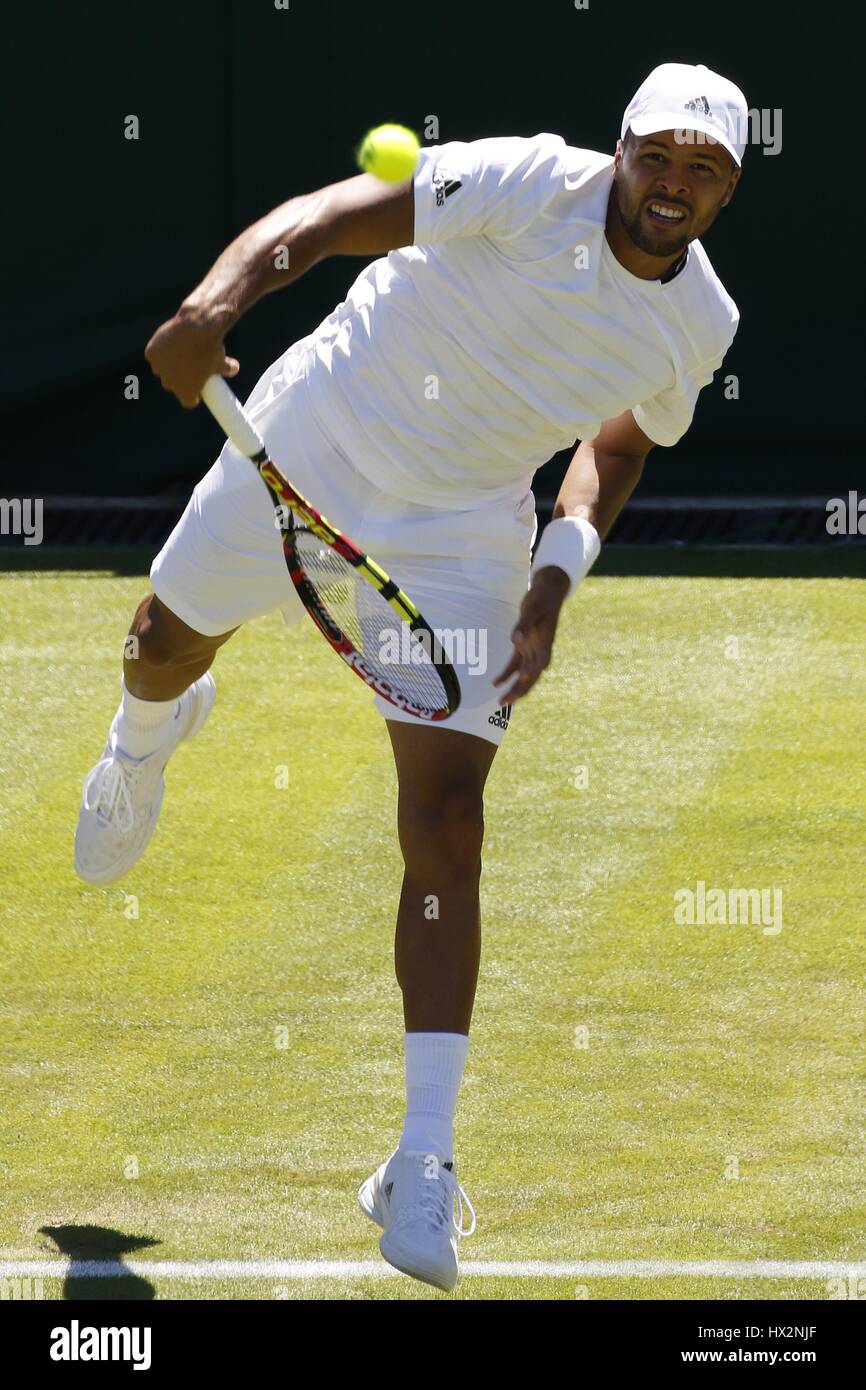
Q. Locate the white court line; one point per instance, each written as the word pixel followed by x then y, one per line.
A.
pixel 482 1269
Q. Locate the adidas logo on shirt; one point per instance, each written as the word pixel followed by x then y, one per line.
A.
pixel 501 717
pixel 445 184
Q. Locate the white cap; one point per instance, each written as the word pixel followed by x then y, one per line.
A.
pixel 678 96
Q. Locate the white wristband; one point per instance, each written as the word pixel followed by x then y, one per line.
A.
pixel 572 544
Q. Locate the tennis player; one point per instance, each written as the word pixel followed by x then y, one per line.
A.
pixel 532 294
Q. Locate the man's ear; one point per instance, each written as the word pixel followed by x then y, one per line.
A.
pixel 617 154
pixel 735 179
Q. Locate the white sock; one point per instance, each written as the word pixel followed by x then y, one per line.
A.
pixel 434 1069
pixel 141 725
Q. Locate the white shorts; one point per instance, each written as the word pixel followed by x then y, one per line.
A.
pixel 466 571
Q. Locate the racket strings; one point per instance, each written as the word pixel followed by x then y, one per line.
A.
pixel 410 665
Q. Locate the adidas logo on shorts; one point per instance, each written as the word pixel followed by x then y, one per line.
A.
pixel 501 717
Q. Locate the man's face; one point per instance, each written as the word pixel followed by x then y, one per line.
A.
pixel 667 192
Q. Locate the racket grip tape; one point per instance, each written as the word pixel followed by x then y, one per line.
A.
pixel 230 415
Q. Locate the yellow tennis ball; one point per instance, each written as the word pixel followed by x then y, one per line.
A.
pixel 390 152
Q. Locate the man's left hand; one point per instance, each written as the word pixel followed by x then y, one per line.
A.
pixel 534 632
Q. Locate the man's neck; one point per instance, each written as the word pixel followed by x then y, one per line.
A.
pixel 675 269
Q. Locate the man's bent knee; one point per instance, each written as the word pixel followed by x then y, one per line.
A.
pixel 163 639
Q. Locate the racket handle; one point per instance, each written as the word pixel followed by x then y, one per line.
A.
pixel 230 415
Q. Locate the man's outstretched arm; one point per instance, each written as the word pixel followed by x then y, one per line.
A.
pixel 602 475
pixel 361 216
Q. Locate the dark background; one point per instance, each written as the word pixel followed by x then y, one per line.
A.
pixel 242 105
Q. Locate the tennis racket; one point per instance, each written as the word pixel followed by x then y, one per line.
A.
pixel 350 598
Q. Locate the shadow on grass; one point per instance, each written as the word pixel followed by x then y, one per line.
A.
pixel 125 560
pixel 89 1246
pixel 845 560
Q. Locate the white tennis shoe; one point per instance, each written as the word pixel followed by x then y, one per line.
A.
pixel 419 1203
pixel 122 796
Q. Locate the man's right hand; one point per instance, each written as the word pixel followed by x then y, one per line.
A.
pixel 184 352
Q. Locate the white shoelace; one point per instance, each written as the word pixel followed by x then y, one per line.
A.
pixel 461 1196
pixel 108 792
pixel 438 1198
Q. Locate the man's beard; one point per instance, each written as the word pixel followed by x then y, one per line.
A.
pixel 645 241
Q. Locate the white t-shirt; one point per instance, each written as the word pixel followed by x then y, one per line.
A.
pixel 457 366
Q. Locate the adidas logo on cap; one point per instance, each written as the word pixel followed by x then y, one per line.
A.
pixel 699 105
